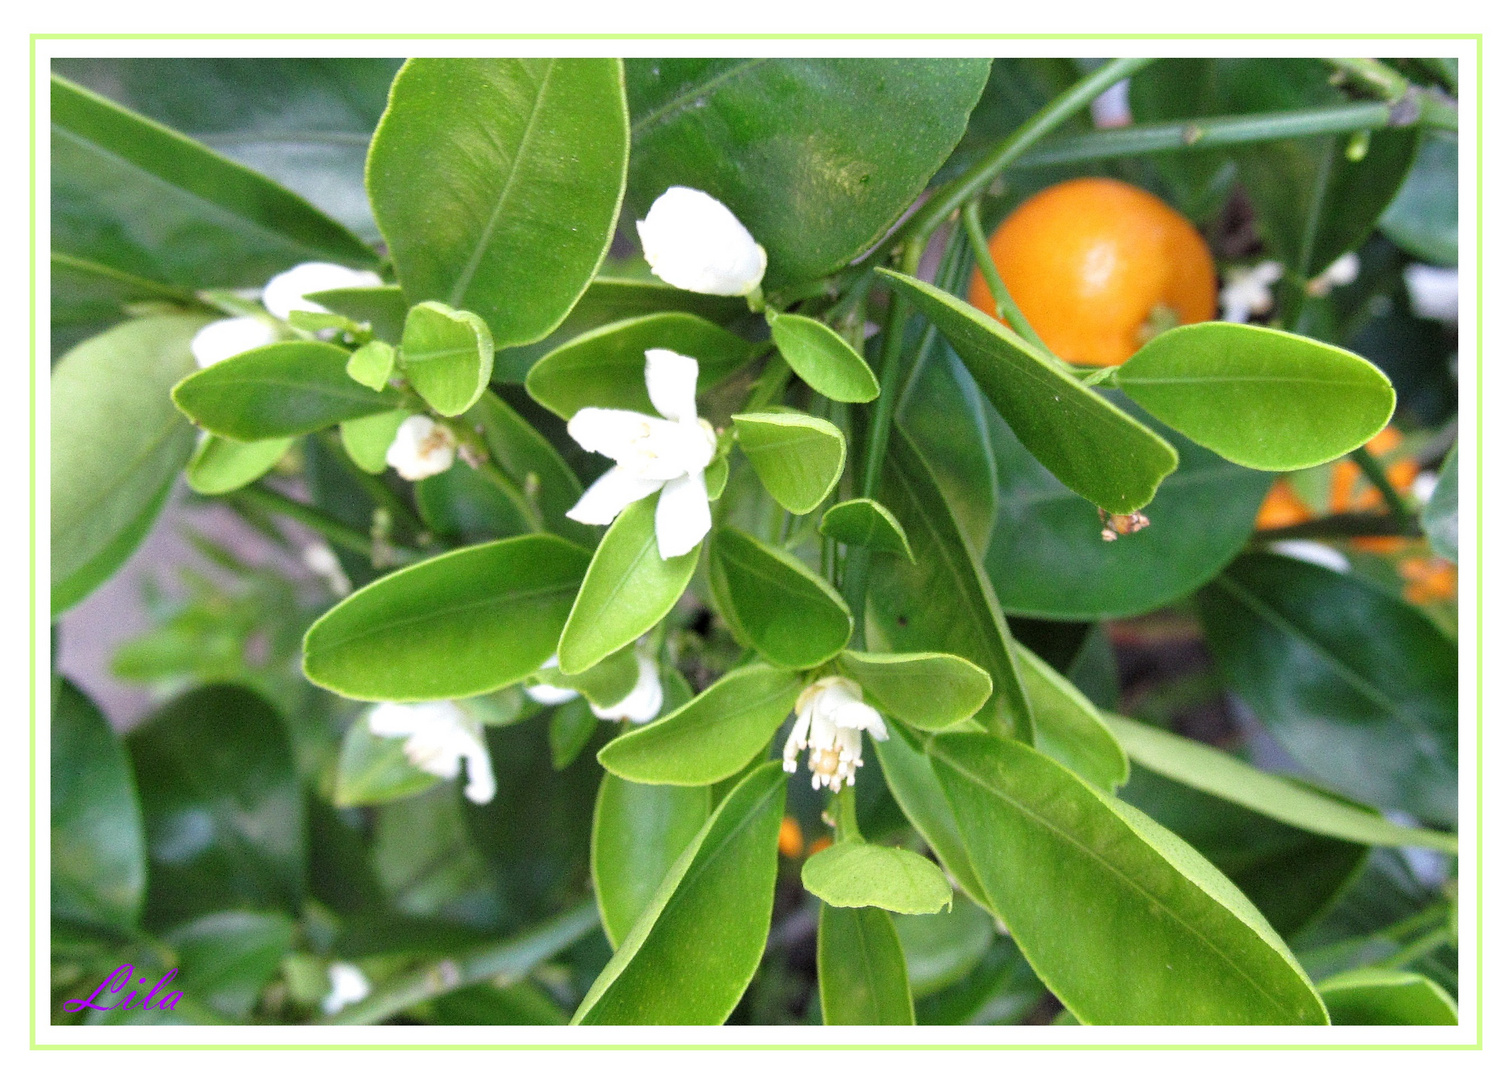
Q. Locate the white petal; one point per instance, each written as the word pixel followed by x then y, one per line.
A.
pixel 671 379
pixel 1111 108
pixel 1434 291
pixel 421 448
pixel 694 242
pixel 545 694
pixel 610 494
pixel 1310 551
pixel 285 293
pixel 225 338
pixel 348 986
pixel 481 787
pixel 1344 271
pixel 647 447
pixel 643 702
pixel 682 515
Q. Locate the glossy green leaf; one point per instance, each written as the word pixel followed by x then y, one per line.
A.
pixel 381 306
pixel 460 624
pixel 928 690
pixel 1209 769
pixel 1047 558
pixel 1423 218
pixel 696 946
pixel 373 769
pixel 99 851
pixel 227 958
pixel 223 807
pixel 866 523
pixel 943 603
pixel 713 736
pixel 1440 517
pixel 1069 728
pixel 823 359
pixel 447 356
pixel 569 730
pixel 533 464
pixel 1091 445
pixel 220 465
pixel 774 604
pixel 88 298
pixel 373 363
pixel 605 367
pixel 1369 997
pixel 639 830
pixel 460 504
pixel 942 948
pixel 292 388
pixel 479 166
pixel 605 683
pixel 1260 397
pixel 366 439
pixel 1137 928
pixel 117 444
pixel 134 196
pixel 862 975
pixel 855 874
pixel 817 157
pixel 799 458
pixel 1360 687
pixel 628 589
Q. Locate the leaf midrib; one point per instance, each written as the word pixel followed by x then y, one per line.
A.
pixel 443 613
pixel 675 105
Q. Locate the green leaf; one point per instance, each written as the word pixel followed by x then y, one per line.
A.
pixel 817 157
pixel 628 589
pixel 460 504
pixel 1423 218
pixel 292 388
pixel 774 604
pixel 99 852
pixel 866 523
pixel 447 356
pixel 855 874
pixel 696 946
pixel 1440 517
pixel 823 359
pixel 1047 558
pixel 1260 397
pixel 480 167
pixel 943 948
pixel 88 298
pixel 373 363
pixel 464 623
pixel 607 682
pixel 533 464
pixel 1208 769
pixel 383 306
pixel 226 958
pixel 130 194
pixel 1092 446
pixel 928 690
pixel 1371 996
pixel 373 769
pixel 117 443
pixel 221 465
pixel 639 830
pixel 571 727
pixel 862 975
pixel 943 603
pixel 222 803
pixel 367 439
pixel 1123 921
pixel 799 458
pixel 1359 687
pixel 605 367
pixel 1069 728
pixel 713 736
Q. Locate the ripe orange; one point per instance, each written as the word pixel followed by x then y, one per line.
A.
pixel 1098 267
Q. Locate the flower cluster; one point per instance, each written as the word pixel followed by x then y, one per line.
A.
pixel 831 715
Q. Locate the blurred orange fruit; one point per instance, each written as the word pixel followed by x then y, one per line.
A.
pixel 789 839
pixel 1351 492
pixel 1429 579
pixel 1098 267
pixel 1282 507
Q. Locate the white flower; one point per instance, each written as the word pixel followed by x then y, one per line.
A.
pixel 1111 108
pixel 643 702
pixel 1343 271
pixel 421 448
pixel 1423 486
pixel 545 693
pixel 1434 291
pixel 831 714
pixel 694 242
pixel 225 338
pixel 1329 558
pixel 286 292
pixel 1247 290
pixel 651 455
pixel 322 562
pixel 348 986
pixel 440 736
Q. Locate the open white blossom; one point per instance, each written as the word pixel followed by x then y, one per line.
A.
pixel 225 338
pixel 1342 271
pixel 286 292
pixel 439 737
pixel 421 448
pixel 1246 290
pixel 651 454
pixel 1434 291
pixel 348 986
pixel 639 706
pixel 694 242
pixel 831 714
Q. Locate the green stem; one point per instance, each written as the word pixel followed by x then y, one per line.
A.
pixel 1371 467
pixel 842 809
pixel 890 376
pixel 502 963
pixel 1006 308
pixel 1422 946
pixel 1340 526
pixel 1314 215
pixel 337 532
pixel 522 502
pixel 1384 82
pixel 375 489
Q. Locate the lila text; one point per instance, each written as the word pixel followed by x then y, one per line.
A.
pixel 119 980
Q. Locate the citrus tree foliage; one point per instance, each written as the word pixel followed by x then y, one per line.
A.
pixel 678 500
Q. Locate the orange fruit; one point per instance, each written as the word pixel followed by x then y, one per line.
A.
pixel 1098 267
pixel 1282 507
pixel 789 839
pixel 1429 579
pixel 1350 491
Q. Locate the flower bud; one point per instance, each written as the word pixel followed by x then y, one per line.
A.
pixel 225 338
pixel 692 241
pixel 286 292
pixel 421 448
